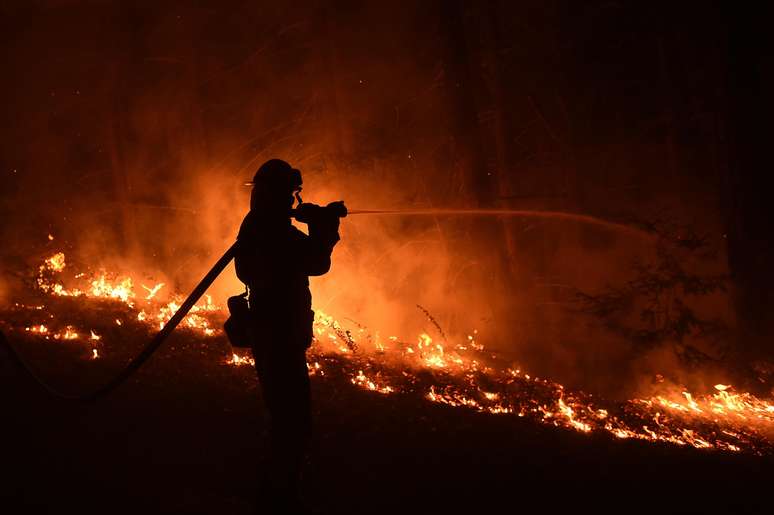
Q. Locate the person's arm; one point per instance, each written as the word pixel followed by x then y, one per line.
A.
pixel 315 253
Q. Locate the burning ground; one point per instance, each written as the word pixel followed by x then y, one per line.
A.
pixel 440 390
pixel 460 374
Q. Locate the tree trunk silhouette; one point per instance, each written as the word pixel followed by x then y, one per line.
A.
pixel 750 212
pixel 473 139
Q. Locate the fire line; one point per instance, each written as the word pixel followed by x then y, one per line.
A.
pixel 458 374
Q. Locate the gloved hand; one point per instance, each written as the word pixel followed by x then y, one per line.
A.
pixel 323 222
pixel 312 213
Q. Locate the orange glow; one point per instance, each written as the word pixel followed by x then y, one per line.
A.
pixel 238 361
pixel 455 374
pixel 152 291
pixel 56 262
pixel 101 286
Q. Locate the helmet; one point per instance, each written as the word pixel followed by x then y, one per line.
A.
pixel 278 176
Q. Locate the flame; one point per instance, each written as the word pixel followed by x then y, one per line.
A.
pixel 315 368
pixel 55 263
pixel 40 329
pixel 454 374
pixel 238 360
pixel 152 291
pixel 375 385
pixel 69 333
pixel 102 286
pixel 680 419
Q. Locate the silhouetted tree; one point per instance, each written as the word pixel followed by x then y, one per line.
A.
pixel 655 307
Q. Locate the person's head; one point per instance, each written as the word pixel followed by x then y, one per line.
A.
pixel 274 185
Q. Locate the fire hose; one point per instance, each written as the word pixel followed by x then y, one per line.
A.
pixel 146 352
pixel 303 213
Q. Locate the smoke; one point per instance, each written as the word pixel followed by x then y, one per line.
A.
pixel 5 300
pixel 133 133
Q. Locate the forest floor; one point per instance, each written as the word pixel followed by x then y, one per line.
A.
pixel 186 434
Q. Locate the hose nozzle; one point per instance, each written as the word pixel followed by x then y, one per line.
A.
pixel 308 212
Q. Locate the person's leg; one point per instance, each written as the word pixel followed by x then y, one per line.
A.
pixel 286 390
pixel 265 491
pixel 297 419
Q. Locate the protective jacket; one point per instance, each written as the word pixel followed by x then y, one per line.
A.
pixel 275 259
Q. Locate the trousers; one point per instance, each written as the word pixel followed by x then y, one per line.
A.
pixel 284 379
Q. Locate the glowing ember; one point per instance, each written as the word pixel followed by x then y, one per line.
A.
pixel 122 290
pixel 458 375
pixel 152 291
pixel 315 369
pixel 361 380
pixel 238 360
pixel 55 263
pixel 101 286
pixel 569 414
pixel 68 334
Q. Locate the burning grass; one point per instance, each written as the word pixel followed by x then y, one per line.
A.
pixel 462 375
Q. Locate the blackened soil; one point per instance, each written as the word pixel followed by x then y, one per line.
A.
pixel 186 435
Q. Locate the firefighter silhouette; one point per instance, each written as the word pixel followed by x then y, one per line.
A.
pixel 274 260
